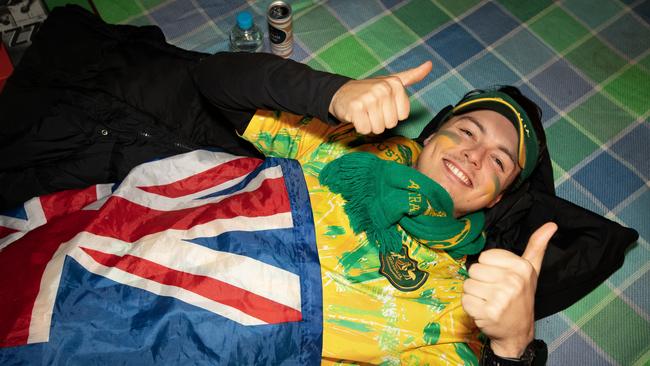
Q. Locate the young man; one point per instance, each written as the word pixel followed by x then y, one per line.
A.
pixel 106 123
pixel 401 305
pixel 113 97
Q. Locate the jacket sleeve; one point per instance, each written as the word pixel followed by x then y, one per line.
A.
pixel 240 83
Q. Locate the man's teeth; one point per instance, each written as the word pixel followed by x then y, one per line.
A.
pixel 458 173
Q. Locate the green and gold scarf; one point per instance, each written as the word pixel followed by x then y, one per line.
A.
pixel 382 194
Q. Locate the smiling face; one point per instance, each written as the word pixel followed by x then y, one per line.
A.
pixel 473 156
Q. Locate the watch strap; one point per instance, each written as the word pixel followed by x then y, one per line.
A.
pixel 535 354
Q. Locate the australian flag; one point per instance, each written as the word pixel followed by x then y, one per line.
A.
pixel 201 258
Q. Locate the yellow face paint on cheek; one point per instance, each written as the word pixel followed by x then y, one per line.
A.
pixel 447 138
pixel 497 186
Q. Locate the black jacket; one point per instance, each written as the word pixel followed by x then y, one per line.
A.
pixel 89 101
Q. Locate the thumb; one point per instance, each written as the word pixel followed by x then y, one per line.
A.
pixel 414 75
pixel 537 244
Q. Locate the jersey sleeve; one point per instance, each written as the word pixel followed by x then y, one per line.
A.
pixel 287 135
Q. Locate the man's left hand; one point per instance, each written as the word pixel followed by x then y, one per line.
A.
pixel 375 104
pixel 500 293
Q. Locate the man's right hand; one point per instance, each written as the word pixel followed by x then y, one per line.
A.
pixel 500 293
pixel 376 104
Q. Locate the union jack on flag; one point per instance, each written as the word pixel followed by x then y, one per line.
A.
pixel 201 258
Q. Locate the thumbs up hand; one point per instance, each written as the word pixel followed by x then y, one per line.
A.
pixel 500 293
pixel 376 104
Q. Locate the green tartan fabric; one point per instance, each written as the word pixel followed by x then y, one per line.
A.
pixel 585 62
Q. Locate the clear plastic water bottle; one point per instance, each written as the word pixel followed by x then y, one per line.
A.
pixel 245 36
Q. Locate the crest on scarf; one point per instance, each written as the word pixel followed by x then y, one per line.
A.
pixel 401 270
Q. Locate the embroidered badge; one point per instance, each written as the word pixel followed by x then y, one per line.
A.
pixel 401 270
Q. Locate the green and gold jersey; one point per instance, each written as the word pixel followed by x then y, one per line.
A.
pixel 403 308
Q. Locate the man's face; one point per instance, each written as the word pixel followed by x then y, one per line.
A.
pixel 473 156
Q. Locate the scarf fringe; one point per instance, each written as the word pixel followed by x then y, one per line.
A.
pixel 355 179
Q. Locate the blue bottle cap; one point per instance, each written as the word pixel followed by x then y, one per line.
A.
pixel 244 20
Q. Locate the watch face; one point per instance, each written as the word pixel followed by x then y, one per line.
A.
pixel 529 353
pixel 488 358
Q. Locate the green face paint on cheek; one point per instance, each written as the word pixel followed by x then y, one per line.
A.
pixel 452 136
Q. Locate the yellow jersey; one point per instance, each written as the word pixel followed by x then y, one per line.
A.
pixel 403 308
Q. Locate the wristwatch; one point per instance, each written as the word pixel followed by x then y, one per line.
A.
pixel 535 354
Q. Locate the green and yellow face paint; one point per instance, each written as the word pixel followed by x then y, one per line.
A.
pixel 455 139
pixel 502 103
pixel 497 186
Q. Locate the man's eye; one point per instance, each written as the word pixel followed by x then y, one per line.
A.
pixel 467 132
pixel 499 163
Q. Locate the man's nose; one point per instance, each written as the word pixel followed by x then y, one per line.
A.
pixel 474 156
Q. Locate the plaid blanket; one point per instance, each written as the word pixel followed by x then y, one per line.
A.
pixel 586 63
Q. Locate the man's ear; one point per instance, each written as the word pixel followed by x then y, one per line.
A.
pixel 435 123
pixel 426 141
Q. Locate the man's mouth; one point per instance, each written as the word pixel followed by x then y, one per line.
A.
pixel 458 173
